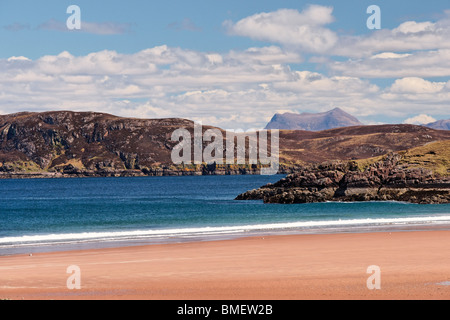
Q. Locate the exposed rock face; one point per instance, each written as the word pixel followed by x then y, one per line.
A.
pixel 385 180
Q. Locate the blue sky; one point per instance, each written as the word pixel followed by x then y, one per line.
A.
pixel 357 69
pixel 153 23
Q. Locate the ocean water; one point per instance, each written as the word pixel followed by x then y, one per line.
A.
pixel 58 214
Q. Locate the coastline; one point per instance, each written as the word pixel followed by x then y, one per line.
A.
pixel 203 170
pixel 46 243
pixel 413 264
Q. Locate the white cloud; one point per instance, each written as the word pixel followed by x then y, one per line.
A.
pixel 407 37
pixel 414 27
pixel 304 30
pixel 390 55
pixel 307 31
pixel 416 85
pixel 434 63
pixel 420 119
pixel 412 49
pixel 386 40
pixel 20 58
pixel 265 55
pixel 237 89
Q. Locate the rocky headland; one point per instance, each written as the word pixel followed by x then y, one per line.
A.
pixel 420 175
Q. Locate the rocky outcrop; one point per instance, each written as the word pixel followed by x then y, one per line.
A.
pixel 386 180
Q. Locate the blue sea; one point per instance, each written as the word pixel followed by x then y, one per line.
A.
pixel 39 215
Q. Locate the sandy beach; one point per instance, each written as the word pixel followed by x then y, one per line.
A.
pixel 413 265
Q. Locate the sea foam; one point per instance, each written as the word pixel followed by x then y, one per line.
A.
pixel 217 230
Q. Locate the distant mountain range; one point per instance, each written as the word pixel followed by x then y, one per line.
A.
pixel 335 118
pixel 439 125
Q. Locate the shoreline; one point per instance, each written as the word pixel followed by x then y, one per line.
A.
pixel 76 245
pixel 413 264
pixel 127 173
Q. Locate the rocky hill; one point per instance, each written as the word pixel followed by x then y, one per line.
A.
pixel 418 175
pixel 66 144
pixel 70 144
pixel 335 118
pixel 353 143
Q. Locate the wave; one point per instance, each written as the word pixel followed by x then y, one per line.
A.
pixel 205 231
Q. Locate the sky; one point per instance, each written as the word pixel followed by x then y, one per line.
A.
pixel 232 64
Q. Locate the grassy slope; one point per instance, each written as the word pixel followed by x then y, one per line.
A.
pixel 434 156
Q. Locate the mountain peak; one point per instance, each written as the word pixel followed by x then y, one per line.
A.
pixel 331 119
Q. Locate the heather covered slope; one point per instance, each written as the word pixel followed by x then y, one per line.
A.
pixel 354 142
pixel 58 141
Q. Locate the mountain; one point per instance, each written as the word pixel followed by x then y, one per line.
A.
pixel 439 125
pixel 67 144
pixel 335 118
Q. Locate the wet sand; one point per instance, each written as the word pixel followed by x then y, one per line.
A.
pixel 413 265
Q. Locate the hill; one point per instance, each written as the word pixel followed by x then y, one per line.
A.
pixel 65 144
pixel 335 118
pixel 352 143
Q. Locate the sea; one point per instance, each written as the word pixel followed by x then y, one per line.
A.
pixel 43 215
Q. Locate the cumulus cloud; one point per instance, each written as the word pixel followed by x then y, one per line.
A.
pixel 434 63
pixel 409 36
pixel 304 30
pixel 416 85
pixel 410 27
pixel 412 49
pixel 238 89
pixel 420 119
pixel 156 82
pixel 415 95
pixel 235 89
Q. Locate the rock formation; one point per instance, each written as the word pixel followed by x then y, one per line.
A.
pixel 395 177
